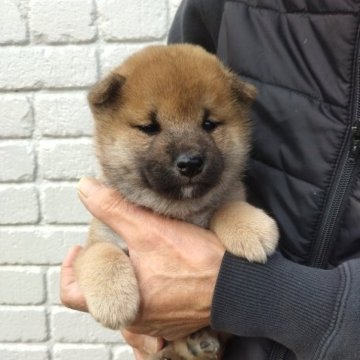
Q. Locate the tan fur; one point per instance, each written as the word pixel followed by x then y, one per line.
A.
pixel 179 86
pixel 250 235
pixel 115 267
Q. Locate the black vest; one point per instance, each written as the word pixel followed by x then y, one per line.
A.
pixel 305 61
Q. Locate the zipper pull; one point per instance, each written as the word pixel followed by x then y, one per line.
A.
pixel 355 138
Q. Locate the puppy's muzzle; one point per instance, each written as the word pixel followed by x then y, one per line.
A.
pixel 189 164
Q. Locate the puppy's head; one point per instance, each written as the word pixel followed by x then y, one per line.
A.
pixel 171 124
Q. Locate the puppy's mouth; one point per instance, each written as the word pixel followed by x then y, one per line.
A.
pixel 178 189
pixel 194 190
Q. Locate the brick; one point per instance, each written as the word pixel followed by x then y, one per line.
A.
pixel 24 286
pixel 19 205
pixel 16 116
pixel 47 67
pixel 22 324
pixel 13 24
pixel 67 159
pixel 74 21
pixel 62 115
pixel 133 19
pixel 23 352
pixel 78 352
pixel 61 205
pixel 74 326
pixel 54 285
pixel 113 55
pixel 17 162
pixel 38 246
pixel 123 352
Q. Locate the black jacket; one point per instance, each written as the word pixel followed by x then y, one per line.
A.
pixel 304 58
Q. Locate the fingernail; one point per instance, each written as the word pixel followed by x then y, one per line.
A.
pixel 151 345
pixel 87 185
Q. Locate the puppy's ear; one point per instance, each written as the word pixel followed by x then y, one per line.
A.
pixel 107 92
pixel 243 92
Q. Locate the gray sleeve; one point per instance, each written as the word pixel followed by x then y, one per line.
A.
pixel 313 312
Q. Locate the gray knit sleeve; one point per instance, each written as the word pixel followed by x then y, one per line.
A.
pixel 313 312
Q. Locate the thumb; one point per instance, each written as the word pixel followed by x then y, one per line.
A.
pixel 143 343
pixel 69 259
pixel 107 205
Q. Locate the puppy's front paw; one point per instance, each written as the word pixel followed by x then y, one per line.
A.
pixel 246 231
pixel 256 242
pixel 109 284
pixel 115 308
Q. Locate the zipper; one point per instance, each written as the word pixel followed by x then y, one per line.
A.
pixel 338 193
pixel 343 180
pixel 356 137
pixel 332 215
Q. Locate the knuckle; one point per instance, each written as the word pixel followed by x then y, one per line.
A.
pixel 105 202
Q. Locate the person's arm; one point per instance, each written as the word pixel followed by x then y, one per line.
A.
pixel 313 312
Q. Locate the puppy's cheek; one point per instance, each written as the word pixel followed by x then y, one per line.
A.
pixel 215 167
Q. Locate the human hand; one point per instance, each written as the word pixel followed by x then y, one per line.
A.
pixel 176 263
pixel 144 229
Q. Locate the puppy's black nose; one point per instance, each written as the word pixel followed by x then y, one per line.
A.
pixel 189 164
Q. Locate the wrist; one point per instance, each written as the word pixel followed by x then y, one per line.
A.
pixel 206 294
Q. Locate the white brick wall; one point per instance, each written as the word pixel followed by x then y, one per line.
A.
pixel 51 51
pixel 16 116
pixel 17 161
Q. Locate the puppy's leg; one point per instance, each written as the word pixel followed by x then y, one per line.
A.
pixel 109 284
pixel 201 345
pixel 245 230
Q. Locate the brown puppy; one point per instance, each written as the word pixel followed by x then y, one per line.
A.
pixel 172 134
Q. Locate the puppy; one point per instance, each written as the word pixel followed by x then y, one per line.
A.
pixel 172 135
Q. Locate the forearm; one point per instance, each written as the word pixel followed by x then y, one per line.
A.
pixel 313 312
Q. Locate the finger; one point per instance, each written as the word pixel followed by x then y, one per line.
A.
pixel 143 343
pixel 111 208
pixel 67 267
pixel 71 256
pixel 139 355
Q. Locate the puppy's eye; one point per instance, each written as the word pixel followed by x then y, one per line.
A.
pixel 209 125
pixel 150 129
pixel 153 127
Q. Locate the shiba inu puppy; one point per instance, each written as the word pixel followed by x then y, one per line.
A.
pixel 172 135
